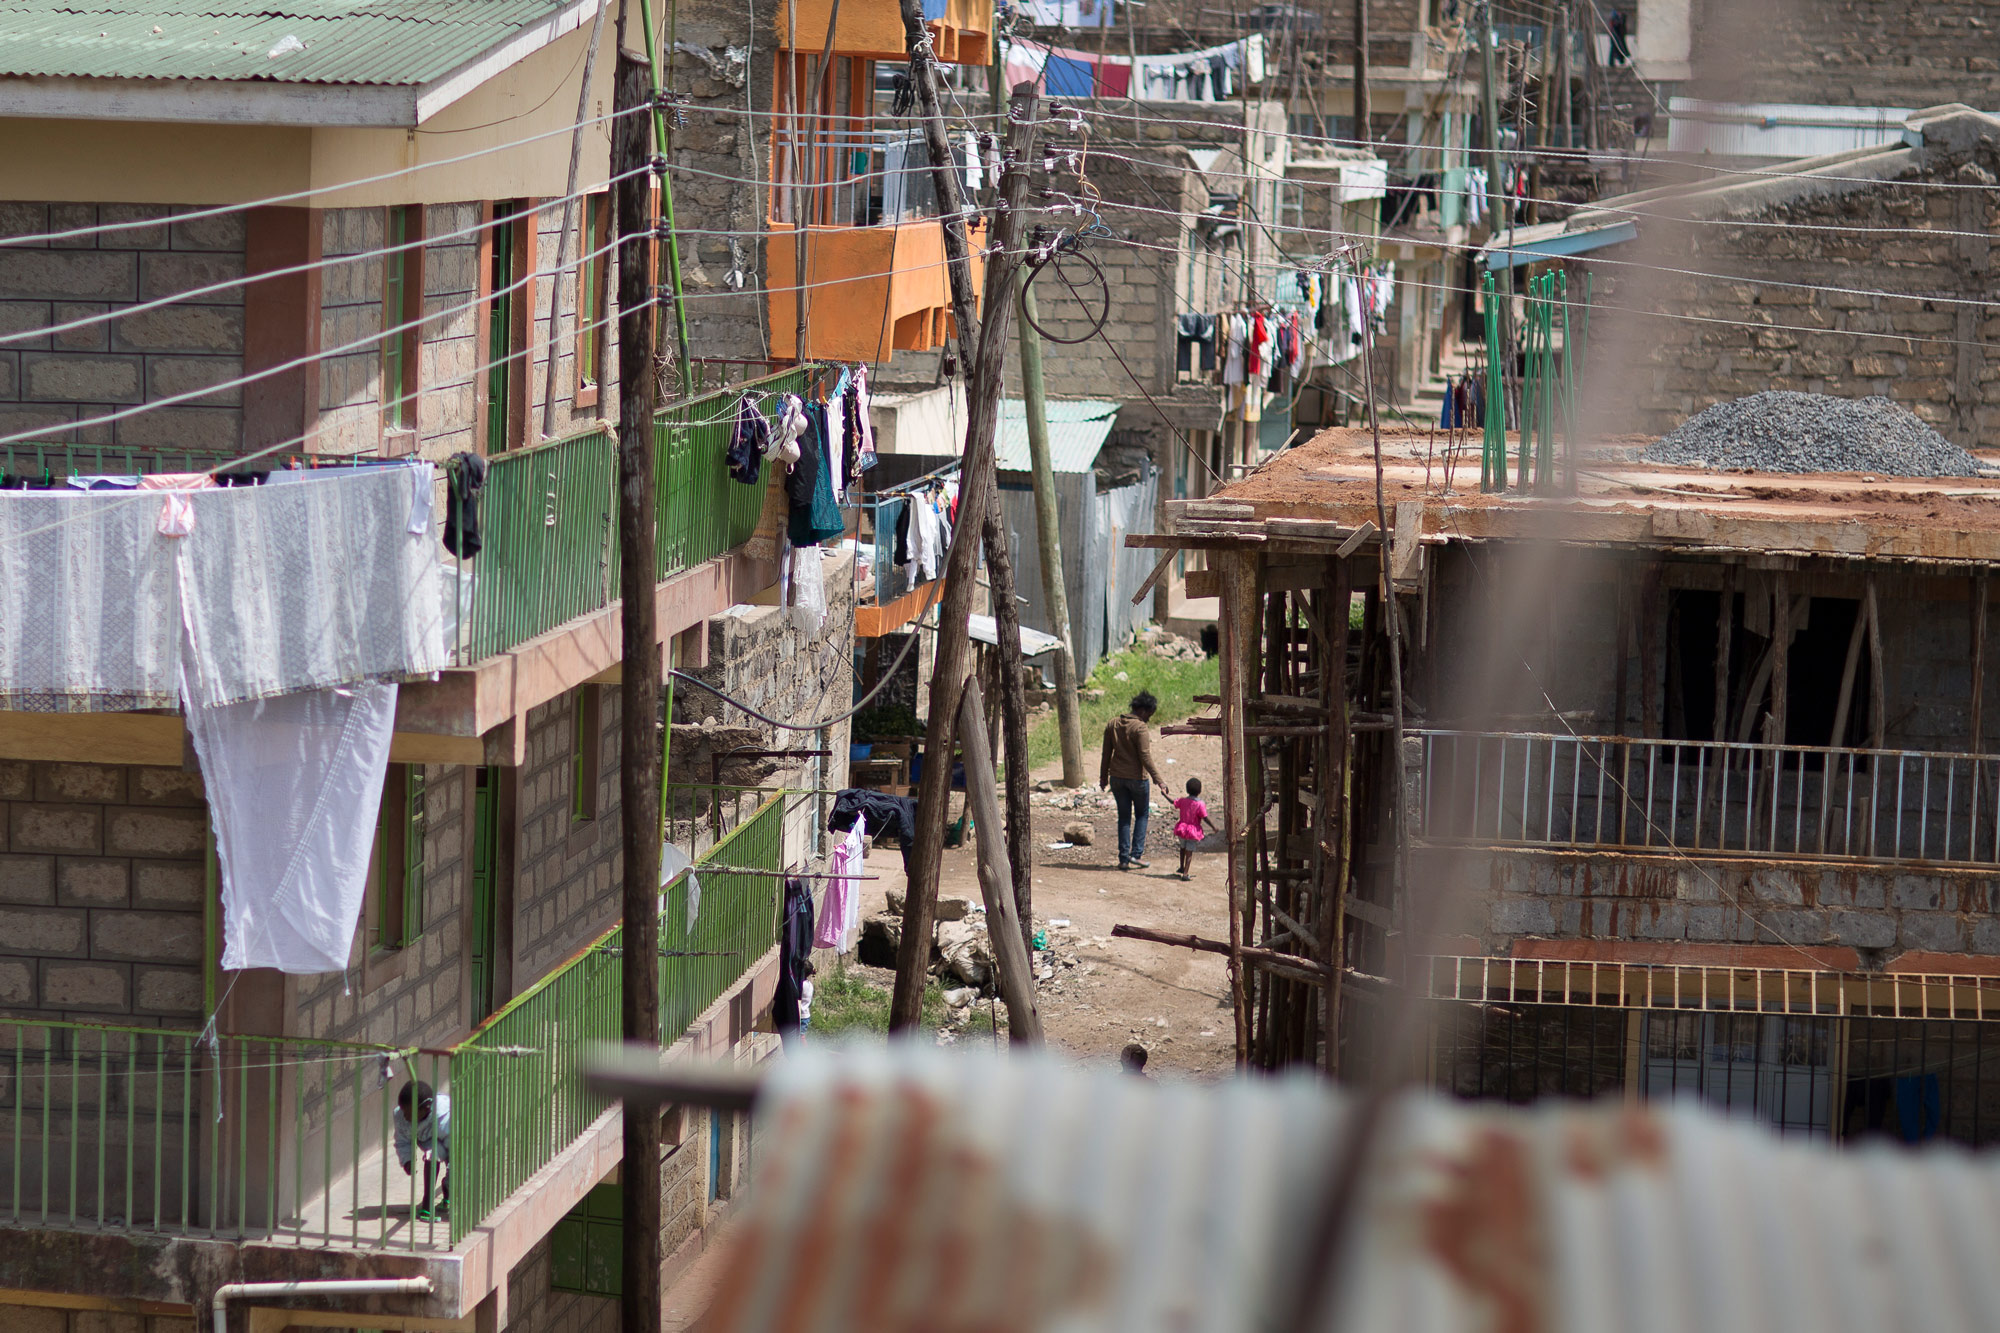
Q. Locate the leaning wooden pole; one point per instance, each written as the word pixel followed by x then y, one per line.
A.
pixel 639 694
pixel 1048 541
pixel 1010 951
pixel 977 481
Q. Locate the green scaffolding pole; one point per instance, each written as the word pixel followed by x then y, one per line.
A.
pixel 672 238
pixel 1493 457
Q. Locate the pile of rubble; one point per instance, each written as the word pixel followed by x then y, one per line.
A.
pixel 1166 644
pixel 962 953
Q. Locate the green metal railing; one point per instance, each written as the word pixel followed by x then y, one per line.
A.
pixel 47 463
pixel 292 1141
pixel 518 1096
pixel 549 521
pixel 161 1131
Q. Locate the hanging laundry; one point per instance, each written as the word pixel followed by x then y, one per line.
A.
pixel 349 595
pixel 749 437
pixel 814 515
pixel 795 945
pixel 1194 331
pixel 833 422
pixel 1234 363
pixel 784 445
pixel 465 478
pixel 809 585
pixel 294 784
pixel 865 424
pixel 840 909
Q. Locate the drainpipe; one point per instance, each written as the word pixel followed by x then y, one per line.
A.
pixel 407 1286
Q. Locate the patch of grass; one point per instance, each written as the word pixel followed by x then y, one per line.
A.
pixel 848 1002
pixel 1174 684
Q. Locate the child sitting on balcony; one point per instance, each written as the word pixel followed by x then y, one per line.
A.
pixel 432 1136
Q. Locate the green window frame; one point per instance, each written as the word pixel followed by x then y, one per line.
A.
pixel 397 868
pixel 586 1248
pixel 402 305
pixel 503 300
pixel 586 752
pixel 593 274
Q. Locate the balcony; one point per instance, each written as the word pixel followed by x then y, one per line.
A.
pixel 875 289
pixel 287 1141
pixel 961 30
pixel 1781 802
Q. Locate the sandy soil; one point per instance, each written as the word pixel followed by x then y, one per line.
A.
pixel 1106 992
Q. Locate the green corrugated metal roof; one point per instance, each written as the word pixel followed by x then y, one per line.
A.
pixel 380 42
pixel 1077 431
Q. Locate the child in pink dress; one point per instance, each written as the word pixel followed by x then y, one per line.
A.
pixel 1188 829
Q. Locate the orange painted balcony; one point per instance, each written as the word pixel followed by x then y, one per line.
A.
pixel 961 30
pixel 873 289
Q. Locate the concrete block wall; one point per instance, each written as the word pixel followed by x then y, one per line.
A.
pixel 351 310
pixel 1880 913
pixel 1648 374
pixel 420 1002
pixel 88 372
pixel 101 888
pixel 567 873
pixel 55 1319
pixel 448 380
pixel 570 416
pixel 1855 53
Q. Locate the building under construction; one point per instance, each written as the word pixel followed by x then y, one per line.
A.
pixel 1695 794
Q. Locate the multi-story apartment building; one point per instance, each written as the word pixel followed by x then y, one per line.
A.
pixel 304 240
pixel 1696 796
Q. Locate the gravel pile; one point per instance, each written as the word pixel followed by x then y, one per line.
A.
pixel 1813 432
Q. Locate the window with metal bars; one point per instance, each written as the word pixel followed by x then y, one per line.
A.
pixel 396 871
pixel 402 308
pixel 586 1248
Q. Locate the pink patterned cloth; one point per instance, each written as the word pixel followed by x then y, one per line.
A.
pixel 840 910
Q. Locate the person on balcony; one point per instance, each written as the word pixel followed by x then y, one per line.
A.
pixel 1128 760
pixel 431 1113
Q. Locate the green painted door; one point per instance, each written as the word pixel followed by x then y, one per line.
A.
pixel 501 368
pixel 485 888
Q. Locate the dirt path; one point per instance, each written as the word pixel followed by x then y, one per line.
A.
pixel 1106 992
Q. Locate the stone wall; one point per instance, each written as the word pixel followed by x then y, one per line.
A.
pixel 764 656
pixel 414 999
pixel 713 64
pixel 101 368
pixel 566 889
pixel 448 380
pixel 101 885
pixel 1807 322
pixel 570 415
pixel 1850 53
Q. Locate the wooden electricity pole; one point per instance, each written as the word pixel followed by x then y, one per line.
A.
pixel 1048 538
pixel 639 697
pixel 983 352
pixel 1361 108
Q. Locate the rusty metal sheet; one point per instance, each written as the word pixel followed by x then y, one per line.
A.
pixel 913 1189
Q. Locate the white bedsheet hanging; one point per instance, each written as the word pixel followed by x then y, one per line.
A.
pixel 294 788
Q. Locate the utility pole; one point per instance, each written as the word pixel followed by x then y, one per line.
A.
pixel 1361 107
pixel 1544 104
pixel 976 498
pixel 977 487
pixel 1496 198
pixel 1048 535
pixel 639 697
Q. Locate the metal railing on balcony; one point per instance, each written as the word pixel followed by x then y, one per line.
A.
pixel 518 1097
pixel 550 525
pixel 292 1141
pixel 1898 806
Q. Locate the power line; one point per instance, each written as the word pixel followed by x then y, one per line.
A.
pixel 317 192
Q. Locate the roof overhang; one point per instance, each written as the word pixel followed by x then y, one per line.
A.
pixel 1559 245
pixel 268 102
